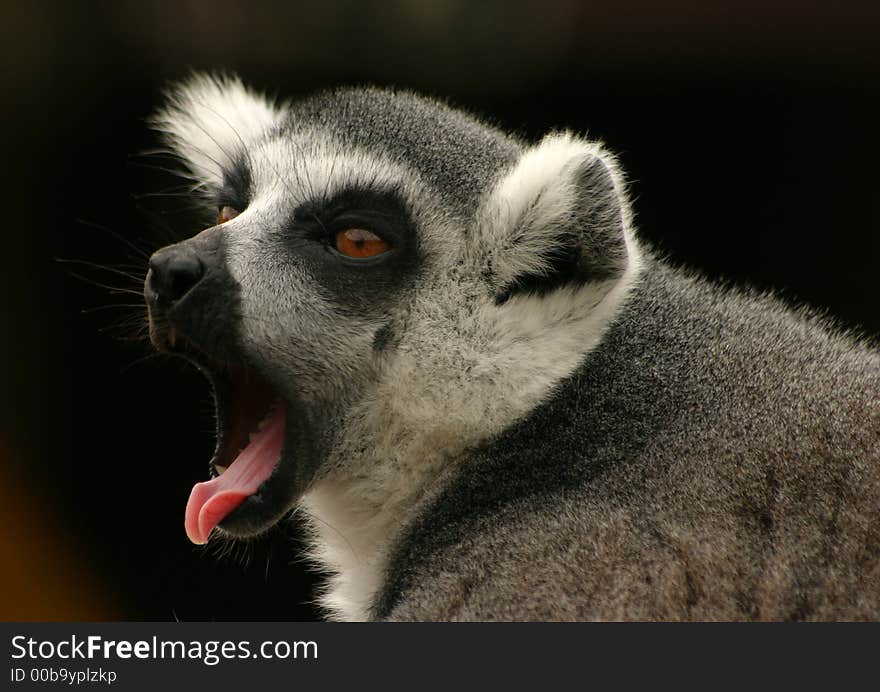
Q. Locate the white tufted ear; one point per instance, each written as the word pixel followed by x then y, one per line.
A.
pixel 209 121
pixel 560 216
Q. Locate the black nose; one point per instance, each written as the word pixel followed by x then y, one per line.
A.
pixel 173 272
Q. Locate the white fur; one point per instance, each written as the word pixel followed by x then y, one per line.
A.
pixel 211 120
pixel 287 173
pixel 527 208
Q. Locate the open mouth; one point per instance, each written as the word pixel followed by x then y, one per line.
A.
pixel 250 486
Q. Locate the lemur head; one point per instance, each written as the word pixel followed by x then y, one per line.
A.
pixel 385 282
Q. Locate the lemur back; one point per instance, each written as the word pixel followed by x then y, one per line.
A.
pixel 448 348
pixel 716 457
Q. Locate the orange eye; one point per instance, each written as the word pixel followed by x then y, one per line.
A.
pixel 360 244
pixel 226 214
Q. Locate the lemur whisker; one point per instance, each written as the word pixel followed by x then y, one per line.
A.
pixel 229 156
pixel 113 289
pixel 176 172
pixel 244 147
pixel 125 241
pixel 102 267
pixel 101 308
pixel 330 176
pixel 159 223
pixel 139 361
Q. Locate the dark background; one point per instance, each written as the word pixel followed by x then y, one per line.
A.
pixel 749 131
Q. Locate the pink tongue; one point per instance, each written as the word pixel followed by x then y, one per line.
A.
pixel 212 501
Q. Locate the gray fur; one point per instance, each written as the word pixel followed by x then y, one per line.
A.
pixel 716 457
pixel 534 418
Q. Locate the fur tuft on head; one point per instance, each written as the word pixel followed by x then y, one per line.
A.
pixel 210 121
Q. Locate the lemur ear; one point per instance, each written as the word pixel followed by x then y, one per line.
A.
pixel 559 217
pixel 209 121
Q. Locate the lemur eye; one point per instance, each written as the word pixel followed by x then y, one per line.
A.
pixel 360 244
pixel 226 214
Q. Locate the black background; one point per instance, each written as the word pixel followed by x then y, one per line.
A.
pixel 749 131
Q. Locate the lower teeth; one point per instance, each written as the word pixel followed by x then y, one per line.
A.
pixel 262 424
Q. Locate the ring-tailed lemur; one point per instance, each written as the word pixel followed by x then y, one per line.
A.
pixel 448 346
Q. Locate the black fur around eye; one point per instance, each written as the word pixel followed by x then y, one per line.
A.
pixel 358 226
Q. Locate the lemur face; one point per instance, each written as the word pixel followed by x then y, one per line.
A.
pixel 370 281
